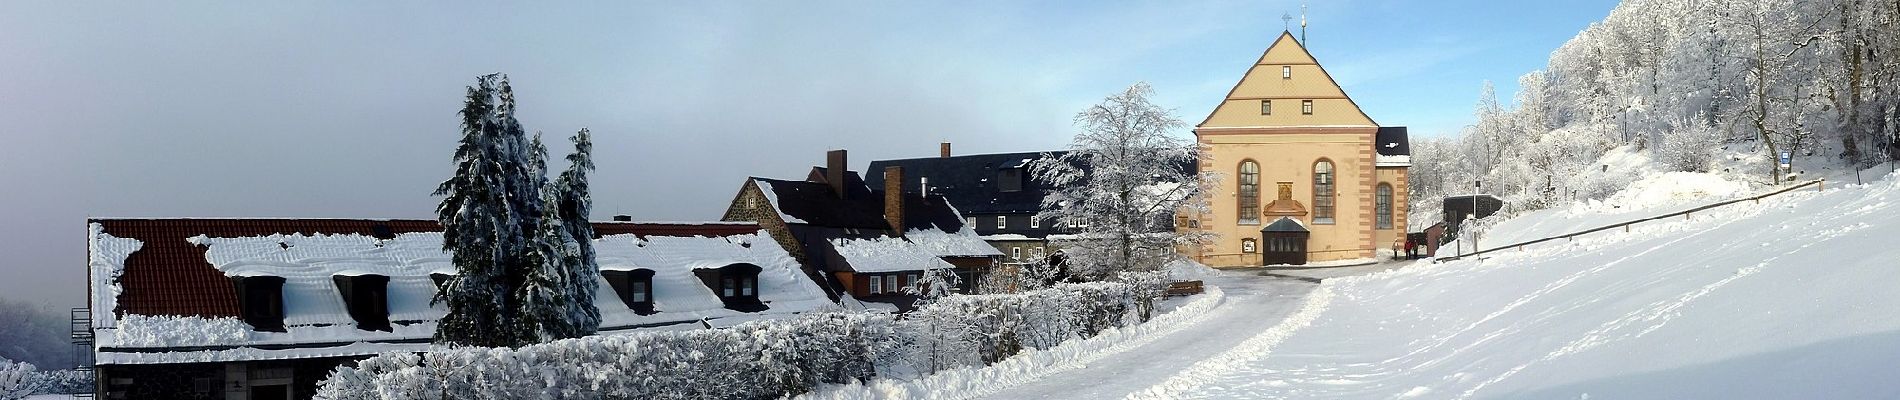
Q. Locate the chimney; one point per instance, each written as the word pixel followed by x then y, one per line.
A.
pixel 623 218
pixel 834 171
pixel 944 149
pixel 894 198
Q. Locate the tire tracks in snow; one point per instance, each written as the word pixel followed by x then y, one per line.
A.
pixel 1259 346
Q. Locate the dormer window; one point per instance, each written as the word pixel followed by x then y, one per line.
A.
pixel 261 301
pixel 1009 180
pixel 367 299
pixel 634 287
pixel 737 285
pixel 1286 72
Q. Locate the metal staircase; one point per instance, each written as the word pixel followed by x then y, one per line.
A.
pixel 82 338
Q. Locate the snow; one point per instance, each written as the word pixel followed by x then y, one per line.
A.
pixel 1786 299
pixel 166 330
pixel 964 242
pixel 678 294
pixel 1006 236
pixel 106 259
pixel 772 197
pixel 887 254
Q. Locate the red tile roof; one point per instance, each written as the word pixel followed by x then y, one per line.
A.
pixel 169 275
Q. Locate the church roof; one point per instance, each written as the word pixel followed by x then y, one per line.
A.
pixel 1286 75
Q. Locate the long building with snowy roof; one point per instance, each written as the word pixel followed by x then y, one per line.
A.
pixel 265 308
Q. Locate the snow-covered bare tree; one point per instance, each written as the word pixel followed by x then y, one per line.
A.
pixel 1121 182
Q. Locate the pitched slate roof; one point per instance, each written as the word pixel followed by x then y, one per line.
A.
pixel 168 275
pixel 862 208
pixel 969 181
pixel 1392 141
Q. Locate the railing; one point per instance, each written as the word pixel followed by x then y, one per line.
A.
pixel 1817 183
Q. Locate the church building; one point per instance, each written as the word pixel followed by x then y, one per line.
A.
pixel 1303 174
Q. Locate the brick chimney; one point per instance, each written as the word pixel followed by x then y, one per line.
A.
pixel 894 198
pixel 944 149
pixel 834 171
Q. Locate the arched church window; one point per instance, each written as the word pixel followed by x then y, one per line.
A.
pixel 1382 206
pixel 1249 198
pixel 1323 192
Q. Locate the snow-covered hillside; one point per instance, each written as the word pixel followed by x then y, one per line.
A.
pixel 1792 298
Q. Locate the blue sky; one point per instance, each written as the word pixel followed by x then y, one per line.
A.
pixel 347 110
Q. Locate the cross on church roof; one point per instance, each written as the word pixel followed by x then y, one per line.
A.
pixel 1287 20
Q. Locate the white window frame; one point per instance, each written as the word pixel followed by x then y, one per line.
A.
pixel 890 281
pixel 877 284
pixel 1002 222
pixel 1016 252
pixel 1035 223
pixel 1286 72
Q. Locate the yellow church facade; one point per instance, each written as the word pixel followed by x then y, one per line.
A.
pixel 1302 175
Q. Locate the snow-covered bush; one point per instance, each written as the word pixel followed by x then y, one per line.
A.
pixel 960 331
pixel 15 379
pixel 62 381
pixel 758 359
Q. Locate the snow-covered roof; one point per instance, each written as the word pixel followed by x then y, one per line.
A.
pixel 316 319
pixel 887 254
pixel 963 243
pixel 771 196
pixel 1381 160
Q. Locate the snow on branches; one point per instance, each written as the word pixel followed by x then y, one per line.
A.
pixel 520 244
pixel 1120 184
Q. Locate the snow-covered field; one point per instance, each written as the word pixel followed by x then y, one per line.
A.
pixel 1792 298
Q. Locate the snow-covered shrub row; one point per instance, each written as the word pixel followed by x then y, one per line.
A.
pixel 758 359
pixel 976 330
pixel 62 381
pixel 171 330
pixel 19 380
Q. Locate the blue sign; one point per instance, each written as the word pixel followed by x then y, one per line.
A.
pixel 1785 159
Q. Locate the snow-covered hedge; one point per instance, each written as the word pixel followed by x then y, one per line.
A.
pixel 758 359
pixel 19 380
pixel 959 331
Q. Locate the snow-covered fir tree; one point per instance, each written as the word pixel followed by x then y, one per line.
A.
pixel 517 257
pixel 574 203
pixel 1119 185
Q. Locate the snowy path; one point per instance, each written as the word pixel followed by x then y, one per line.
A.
pixel 1253 304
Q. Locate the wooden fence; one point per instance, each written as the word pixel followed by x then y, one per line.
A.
pixel 1817 184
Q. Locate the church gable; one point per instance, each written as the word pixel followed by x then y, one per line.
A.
pixel 1278 89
